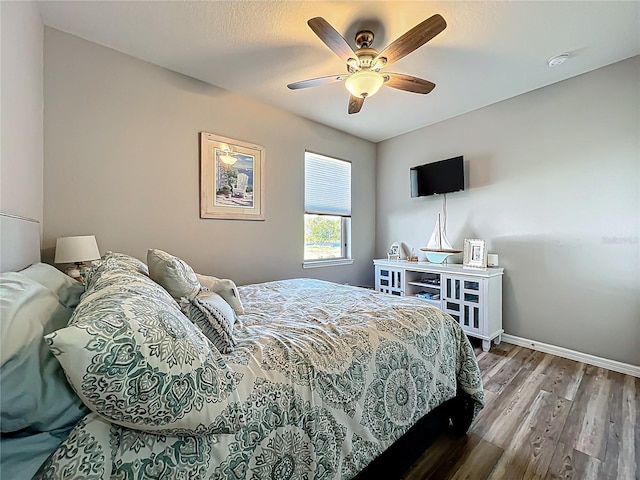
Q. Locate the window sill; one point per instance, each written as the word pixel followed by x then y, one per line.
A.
pixel 326 263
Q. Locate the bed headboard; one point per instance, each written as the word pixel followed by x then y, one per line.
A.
pixel 19 242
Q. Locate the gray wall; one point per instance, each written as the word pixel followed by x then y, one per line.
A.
pixel 122 163
pixel 21 151
pixel 554 181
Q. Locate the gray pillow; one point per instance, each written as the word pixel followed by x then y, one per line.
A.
pixel 35 392
pixel 174 274
pixel 62 285
pixel 214 316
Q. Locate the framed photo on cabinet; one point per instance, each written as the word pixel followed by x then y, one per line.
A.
pixel 475 253
pixel 394 251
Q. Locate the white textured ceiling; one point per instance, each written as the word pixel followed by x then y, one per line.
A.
pixel 489 51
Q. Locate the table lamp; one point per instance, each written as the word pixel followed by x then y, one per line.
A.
pixel 77 250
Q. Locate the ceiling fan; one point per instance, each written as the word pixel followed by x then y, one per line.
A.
pixel 363 78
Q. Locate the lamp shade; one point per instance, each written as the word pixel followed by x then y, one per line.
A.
pixel 364 83
pixel 76 249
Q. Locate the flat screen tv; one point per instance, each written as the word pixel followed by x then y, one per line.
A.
pixel 445 176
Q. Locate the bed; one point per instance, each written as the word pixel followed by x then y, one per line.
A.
pixel 324 381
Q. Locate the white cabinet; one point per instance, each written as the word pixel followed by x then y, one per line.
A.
pixel 472 297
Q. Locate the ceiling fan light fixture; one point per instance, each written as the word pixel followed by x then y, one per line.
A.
pixel 364 83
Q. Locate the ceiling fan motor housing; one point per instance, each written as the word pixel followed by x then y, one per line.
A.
pixel 364 38
pixel 365 53
pixel 366 56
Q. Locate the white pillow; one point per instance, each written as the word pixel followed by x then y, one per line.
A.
pixel 174 274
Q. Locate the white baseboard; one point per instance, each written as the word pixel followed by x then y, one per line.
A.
pixel 620 367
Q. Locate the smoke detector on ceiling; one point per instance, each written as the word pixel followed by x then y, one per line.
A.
pixel 558 60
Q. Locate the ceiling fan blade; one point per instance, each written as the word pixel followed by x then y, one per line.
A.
pixel 331 38
pixel 409 83
pixel 413 39
pixel 355 104
pixel 314 82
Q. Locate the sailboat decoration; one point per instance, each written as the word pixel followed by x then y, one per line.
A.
pixel 438 248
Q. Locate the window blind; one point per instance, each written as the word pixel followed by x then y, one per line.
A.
pixel 327 185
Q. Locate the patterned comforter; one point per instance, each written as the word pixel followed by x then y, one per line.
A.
pixel 329 377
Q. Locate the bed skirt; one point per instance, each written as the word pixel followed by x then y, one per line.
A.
pixel 454 415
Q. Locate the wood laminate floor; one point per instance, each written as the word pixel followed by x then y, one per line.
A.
pixel 545 418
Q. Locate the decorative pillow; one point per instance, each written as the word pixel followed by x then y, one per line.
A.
pixel 35 394
pixel 62 285
pixel 214 316
pixel 225 288
pixel 115 261
pixel 128 260
pixel 173 274
pixel 95 279
pixel 136 360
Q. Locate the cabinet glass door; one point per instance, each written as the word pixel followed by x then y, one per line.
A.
pixel 389 280
pixel 471 318
pixel 462 302
pixel 453 288
pixel 451 302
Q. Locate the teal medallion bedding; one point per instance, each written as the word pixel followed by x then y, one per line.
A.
pixel 327 376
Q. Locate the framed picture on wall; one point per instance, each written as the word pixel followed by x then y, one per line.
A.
pixel 231 178
pixel 475 253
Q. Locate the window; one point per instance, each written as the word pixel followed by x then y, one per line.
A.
pixel 327 210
